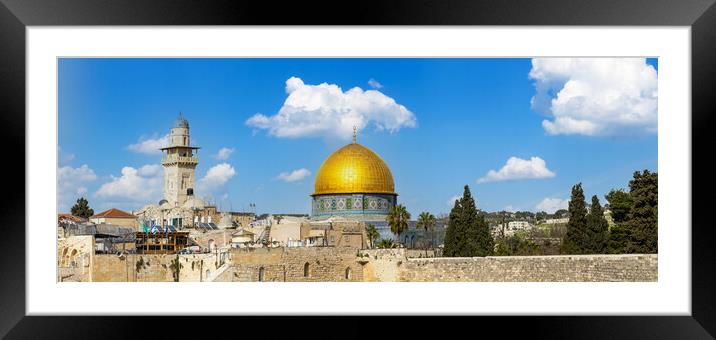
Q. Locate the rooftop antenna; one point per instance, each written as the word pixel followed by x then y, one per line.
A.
pixel 354 134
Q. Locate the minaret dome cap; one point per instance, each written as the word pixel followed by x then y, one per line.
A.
pixel 181 122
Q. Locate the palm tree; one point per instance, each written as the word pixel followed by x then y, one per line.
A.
pixel 372 234
pixel 426 221
pixel 385 244
pixel 398 220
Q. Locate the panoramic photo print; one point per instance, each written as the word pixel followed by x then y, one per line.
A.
pixel 357 169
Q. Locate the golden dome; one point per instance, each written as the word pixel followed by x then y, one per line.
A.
pixel 354 169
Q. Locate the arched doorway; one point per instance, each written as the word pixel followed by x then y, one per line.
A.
pixel 261 274
pixel 306 270
pixel 348 273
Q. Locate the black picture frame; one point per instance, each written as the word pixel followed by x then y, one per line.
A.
pixel 15 15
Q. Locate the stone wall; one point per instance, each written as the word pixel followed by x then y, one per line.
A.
pixel 393 265
pixel 331 264
pixel 153 267
pixel 74 258
pixel 288 264
pixel 423 253
pixel 249 272
pixel 383 264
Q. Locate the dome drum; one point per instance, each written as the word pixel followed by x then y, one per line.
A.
pixel 352 204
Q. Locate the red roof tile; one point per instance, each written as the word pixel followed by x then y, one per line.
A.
pixel 70 217
pixel 114 213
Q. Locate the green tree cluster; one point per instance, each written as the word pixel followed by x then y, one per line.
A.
pixel 515 245
pixel 81 208
pixel 561 213
pixel 467 234
pixel 587 232
pixel 635 214
pixel 541 216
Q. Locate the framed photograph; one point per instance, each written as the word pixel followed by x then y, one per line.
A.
pixel 436 159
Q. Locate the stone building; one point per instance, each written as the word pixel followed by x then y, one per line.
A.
pixel 354 187
pixel 180 208
pixel 335 231
pixel 115 217
pixel 179 161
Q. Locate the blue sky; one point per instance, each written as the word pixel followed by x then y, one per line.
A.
pixel 438 123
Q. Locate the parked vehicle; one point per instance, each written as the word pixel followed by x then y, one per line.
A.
pixel 190 250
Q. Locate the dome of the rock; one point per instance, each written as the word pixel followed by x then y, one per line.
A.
pixel 354 181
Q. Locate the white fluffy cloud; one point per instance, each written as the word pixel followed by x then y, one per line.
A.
pixel 224 153
pixel 325 110
pixel 374 84
pixel 65 157
pixel 293 176
pixel 451 201
pixel 595 96
pixel 517 168
pixel 149 146
pixel 71 184
pixel 216 177
pixel 550 205
pixel 143 185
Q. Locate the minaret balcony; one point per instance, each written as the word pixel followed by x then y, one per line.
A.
pixel 173 159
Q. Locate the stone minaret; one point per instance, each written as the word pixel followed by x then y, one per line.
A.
pixel 179 161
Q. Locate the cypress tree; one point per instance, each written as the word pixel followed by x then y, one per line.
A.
pixel 469 220
pixel 452 239
pixel 485 242
pixel 643 216
pixel 618 239
pixel 597 229
pixel 574 240
pixel 479 241
pixel 468 234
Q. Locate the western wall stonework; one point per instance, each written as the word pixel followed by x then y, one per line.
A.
pixel 392 265
pixel 339 264
pixel 333 264
pixel 155 267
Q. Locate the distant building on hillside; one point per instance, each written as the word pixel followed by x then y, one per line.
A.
pixel 510 228
pixel 556 220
